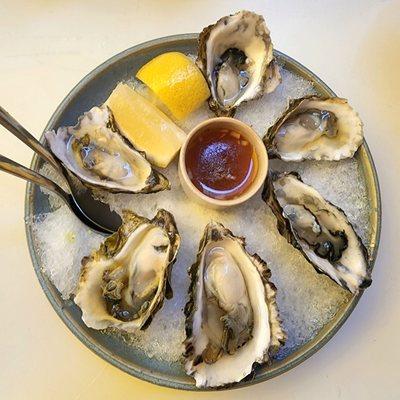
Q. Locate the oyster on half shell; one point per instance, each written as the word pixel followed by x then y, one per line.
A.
pixel 231 317
pixel 320 230
pixel 236 57
pixel 123 284
pixel 96 153
pixel 314 128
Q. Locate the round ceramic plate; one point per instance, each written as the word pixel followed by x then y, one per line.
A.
pixel 93 90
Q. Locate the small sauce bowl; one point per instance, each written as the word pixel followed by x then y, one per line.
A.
pixel 217 125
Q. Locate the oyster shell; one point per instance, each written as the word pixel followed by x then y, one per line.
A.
pixel 123 284
pixel 314 128
pixel 96 153
pixel 232 318
pixel 320 230
pixel 236 57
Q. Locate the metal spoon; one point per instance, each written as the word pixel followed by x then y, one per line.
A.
pixel 91 212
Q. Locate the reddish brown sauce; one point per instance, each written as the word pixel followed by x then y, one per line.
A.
pixel 221 164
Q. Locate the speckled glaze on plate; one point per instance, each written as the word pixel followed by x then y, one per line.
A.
pixel 93 90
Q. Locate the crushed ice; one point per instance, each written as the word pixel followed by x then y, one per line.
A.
pixel 306 300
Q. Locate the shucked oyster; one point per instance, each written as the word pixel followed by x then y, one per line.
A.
pixel 123 284
pixel 315 128
pixel 319 229
pixel 97 154
pixel 236 57
pixel 232 319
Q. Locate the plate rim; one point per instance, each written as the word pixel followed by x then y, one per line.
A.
pixel 279 367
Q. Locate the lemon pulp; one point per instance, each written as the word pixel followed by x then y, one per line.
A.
pixel 176 81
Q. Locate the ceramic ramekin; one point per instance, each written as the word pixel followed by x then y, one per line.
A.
pixel 232 124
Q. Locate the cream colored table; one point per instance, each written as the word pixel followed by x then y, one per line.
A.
pixel 48 46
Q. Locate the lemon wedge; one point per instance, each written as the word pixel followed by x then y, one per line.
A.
pixel 176 81
pixel 145 126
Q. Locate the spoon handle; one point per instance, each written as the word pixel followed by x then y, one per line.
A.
pixel 11 124
pixel 20 171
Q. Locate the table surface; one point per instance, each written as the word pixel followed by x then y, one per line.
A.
pixel 48 46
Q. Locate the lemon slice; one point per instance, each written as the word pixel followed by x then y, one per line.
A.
pixel 176 81
pixel 145 126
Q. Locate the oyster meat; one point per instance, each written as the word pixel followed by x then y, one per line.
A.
pixel 96 153
pixel 123 284
pixel 320 230
pixel 315 128
pixel 236 57
pixel 232 318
